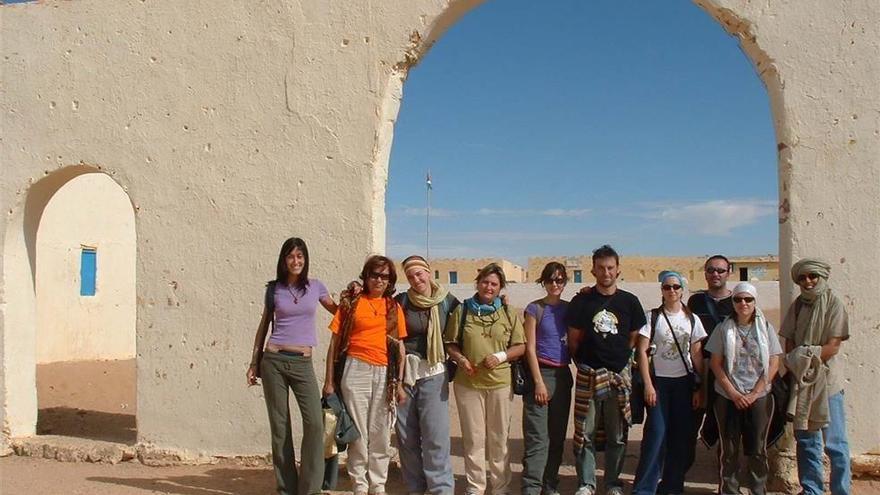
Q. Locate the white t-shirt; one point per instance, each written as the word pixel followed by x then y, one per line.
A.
pixel 667 362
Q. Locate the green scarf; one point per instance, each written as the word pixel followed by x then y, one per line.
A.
pixel 815 300
pixel 436 354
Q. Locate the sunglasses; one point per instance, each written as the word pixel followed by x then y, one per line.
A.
pixel 719 271
pixel 743 299
pixel 670 287
pixel 379 276
pixel 804 276
pixel 557 281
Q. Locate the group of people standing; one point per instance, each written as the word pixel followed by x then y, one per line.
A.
pixel 710 361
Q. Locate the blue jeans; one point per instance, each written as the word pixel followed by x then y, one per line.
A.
pixel 423 437
pixel 667 440
pixel 809 453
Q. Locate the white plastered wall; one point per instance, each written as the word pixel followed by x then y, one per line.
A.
pixel 90 210
pixel 235 125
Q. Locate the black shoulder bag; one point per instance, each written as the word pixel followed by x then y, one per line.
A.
pixel 637 395
pixel 520 380
pixel 269 305
pixel 451 364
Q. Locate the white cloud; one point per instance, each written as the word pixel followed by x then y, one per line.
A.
pixel 715 218
pixel 435 212
pixel 496 212
pixel 508 236
pixel 521 212
pixel 559 212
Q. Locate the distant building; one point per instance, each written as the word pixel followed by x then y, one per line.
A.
pixel 646 268
pixel 749 268
pixel 464 270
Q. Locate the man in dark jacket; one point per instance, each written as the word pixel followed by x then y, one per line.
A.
pixel 712 306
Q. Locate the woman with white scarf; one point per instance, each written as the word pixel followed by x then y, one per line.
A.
pixel 745 357
pixel 423 408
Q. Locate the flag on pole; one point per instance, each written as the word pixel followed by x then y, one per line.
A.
pixel 428 180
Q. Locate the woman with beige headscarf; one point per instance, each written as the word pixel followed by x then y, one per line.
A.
pixel 817 321
pixel 423 410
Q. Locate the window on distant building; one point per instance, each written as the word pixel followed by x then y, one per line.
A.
pixel 88 268
pixel 453 277
pixel 578 277
pixel 436 274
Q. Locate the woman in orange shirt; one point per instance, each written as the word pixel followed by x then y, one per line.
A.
pixel 365 366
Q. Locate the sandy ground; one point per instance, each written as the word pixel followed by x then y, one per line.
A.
pixel 22 475
pixel 88 399
pixel 104 410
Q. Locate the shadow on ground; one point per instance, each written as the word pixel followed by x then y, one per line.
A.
pixel 81 423
pixel 242 481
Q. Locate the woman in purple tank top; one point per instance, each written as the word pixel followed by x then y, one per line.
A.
pixel 285 363
pixel 545 409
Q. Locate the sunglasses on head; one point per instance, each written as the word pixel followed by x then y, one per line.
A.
pixel 748 299
pixel 804 276
pixel 670 287
pixel 379 276
pixel 717 270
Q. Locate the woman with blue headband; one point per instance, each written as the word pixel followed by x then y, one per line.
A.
pixel 670 362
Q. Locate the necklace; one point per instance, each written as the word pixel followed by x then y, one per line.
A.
pixel 292 294
pixel 487 322
pixel 373 308
pixel 744 335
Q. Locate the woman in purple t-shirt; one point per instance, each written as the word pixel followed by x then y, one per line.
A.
pixel 545 412
pixel 285 363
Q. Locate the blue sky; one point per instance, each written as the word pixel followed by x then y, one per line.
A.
pixel 551 129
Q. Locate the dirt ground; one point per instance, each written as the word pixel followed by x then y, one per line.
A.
pixel 104 409
pixel 88 399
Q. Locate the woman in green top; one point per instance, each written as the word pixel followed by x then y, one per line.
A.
pixel 482 336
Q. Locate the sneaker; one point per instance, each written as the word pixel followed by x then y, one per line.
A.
pixel 614 490
pixel 584 490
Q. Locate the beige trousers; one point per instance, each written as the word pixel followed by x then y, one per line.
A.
pixel 485 424
pixel 363 392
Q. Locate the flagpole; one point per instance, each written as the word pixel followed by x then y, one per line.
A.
pixel 428 216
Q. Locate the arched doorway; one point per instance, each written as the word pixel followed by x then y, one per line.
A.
pixel 540 180
pixel 70 271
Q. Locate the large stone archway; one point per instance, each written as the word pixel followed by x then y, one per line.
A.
pixel 242 124
pixel 805 198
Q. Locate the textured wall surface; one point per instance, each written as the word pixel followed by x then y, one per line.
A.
pixel 232 125
pixel 90 210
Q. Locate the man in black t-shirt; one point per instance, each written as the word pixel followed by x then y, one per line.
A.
pixel 712 306
pixel 603 325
